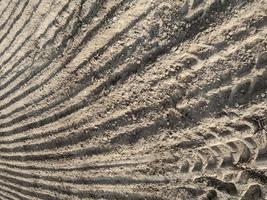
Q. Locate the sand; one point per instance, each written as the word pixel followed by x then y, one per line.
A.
pixel 133 99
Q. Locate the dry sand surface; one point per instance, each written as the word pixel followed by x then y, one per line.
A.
pixel 133 99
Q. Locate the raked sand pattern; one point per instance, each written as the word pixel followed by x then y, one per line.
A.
pixel 133 99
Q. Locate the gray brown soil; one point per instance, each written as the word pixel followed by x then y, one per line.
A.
pixel 133 99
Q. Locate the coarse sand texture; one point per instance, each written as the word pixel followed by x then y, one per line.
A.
pixel 133 99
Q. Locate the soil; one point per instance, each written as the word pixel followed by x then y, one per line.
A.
pixel 133 99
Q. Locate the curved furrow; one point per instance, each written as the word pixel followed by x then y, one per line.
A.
pixel 78 105
pixel 8 16
pixel 6 84
pixel 49 25
pixel 94 166
pixel 83 133
pixel 73 151
pixel 113 9
pixel 24 25
pixel 66 24
pixel 118 58
pixel 116 118
pixel 12 194
pixel 59 191
pixel 87 180
pixel 16 19
pixel 4 195
pixel 133 99
pixel 24 191
pixel 5 9
pixel 105 124
pixel 30 56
